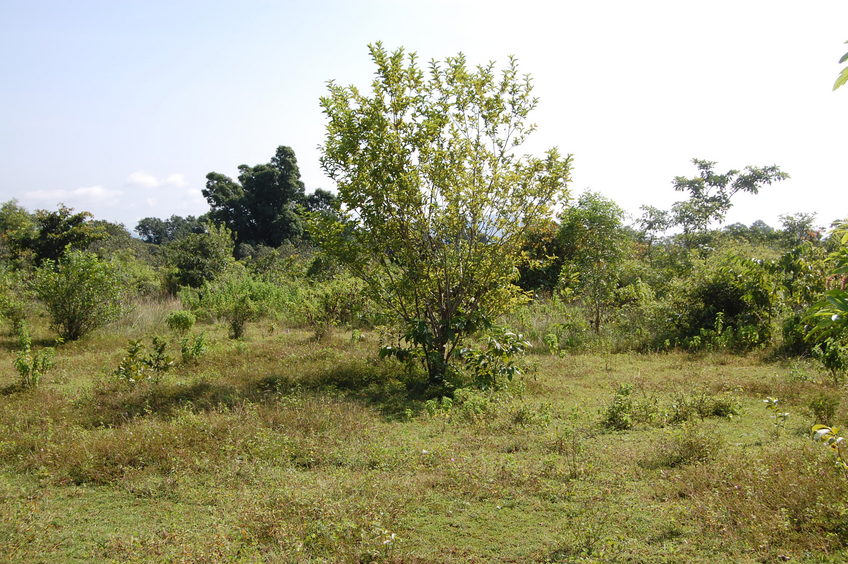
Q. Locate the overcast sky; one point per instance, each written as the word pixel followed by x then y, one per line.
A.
pixel 122 107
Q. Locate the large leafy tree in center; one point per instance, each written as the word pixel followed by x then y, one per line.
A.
pixel 435 199
pixel 262 207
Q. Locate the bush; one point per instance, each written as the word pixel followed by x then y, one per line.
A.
pixel 81 293
pixel 31 367
pixel 180 321
pixel 199 257
pixel 235 297
pixel 729 303
pixel 333 302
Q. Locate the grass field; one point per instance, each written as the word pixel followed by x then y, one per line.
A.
pixel 281 449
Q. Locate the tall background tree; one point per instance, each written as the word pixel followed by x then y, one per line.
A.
pixel 263 206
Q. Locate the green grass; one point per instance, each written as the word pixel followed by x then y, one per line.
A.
pixel 282 449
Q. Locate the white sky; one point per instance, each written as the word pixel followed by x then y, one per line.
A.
pixel 121 108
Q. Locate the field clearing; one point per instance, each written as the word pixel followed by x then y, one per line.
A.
pixel 282 449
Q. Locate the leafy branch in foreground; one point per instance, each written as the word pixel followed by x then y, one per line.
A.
pixel 843 74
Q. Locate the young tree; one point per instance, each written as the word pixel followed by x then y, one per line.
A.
pixel 199 257
pixel 80 291
pixel 436 202
pixel 594 244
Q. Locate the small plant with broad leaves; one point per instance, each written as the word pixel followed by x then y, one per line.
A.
pixel 829 436
pixel 499 362
pixel 137 366
pixel 31 366
pixel 780 417
pixel 193 348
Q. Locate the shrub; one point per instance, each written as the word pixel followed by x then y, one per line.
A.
pixel 333 302
pixel 235 297
pixel 193 349
pixel 619 414
pixel 14 301
pixel 729 303
pixel 199 257
pixel 31 367
pixel 81 293
pixel 180 321
pixel 136 366
pixel 833 356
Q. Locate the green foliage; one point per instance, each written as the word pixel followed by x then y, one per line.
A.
pixel 833 355
pixel 193 348
pixel 498 363
pixel 266 205
pixel 15 297
pixel 436 202
pixel 710 193
pixel 199 257
pixel 842 78
pixel 180 321
pixel 31 367
pixel 594 244
pixel 138 277
pixel 160 232
pixel 136 366
pixel 824 405
pixel 619 414
pixel 236 297
pixel 81 293
pixel 729 303
pixel 55 231
pixel 330 303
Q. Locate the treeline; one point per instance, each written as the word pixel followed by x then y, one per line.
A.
pixel 664 280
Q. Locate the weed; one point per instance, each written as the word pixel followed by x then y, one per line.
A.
pixel 31 367
pixel 690 444
pixel 193 349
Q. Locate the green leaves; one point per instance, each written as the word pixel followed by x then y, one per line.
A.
pixel 842 78
pixel 81 293
pixel 830 438
pixel 435 201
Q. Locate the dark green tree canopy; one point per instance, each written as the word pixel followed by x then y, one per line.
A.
pixel 57 230
pixel 265 205
pixel 161 231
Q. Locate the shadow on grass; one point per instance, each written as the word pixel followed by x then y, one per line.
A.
pixel 115 403
pixel 387 386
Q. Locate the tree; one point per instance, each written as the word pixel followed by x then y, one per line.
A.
pixel 594 243
pixel 264 206
pixel 199 257
pixel 710 193
pixel 81 293
pixel 436 202
pixel 159 232
pixel 54 231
